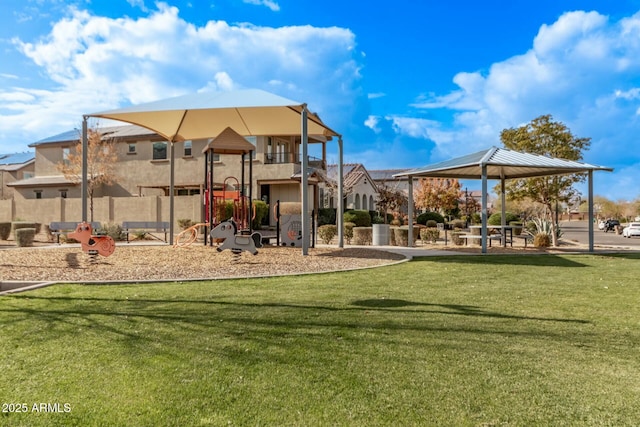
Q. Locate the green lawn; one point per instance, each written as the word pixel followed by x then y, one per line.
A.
pixel 458 341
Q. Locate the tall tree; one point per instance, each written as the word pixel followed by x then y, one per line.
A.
pixel 437 194
pixel 101 162
pixel 390 199
pixel 546 137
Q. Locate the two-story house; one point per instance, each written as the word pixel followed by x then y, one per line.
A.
pixel 14 167
pixel 360 191
pixel 143 169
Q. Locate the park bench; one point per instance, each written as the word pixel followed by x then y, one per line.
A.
pixel 147 227
pixel 490 237
pixel 61 227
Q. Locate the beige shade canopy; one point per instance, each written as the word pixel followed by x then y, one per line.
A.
pixel 249 112
pixel 229 142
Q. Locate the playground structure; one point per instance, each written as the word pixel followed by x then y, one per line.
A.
pixel 236 243
pixel 92 245
pixel 215 201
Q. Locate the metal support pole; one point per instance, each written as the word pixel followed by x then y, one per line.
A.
pixel 410 210
pixel 85 167
pixel 250 191
pixel 590 210
pixel 304 184
pixel 172 191
pixel 340 207
pixel 484 209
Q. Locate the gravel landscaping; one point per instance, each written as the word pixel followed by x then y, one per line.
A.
pixel 67 263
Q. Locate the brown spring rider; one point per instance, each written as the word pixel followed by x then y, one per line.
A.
pixel 93 245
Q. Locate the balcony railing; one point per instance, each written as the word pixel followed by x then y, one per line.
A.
pixel 289 157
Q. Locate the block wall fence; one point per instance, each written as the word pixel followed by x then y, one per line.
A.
pixel 106 210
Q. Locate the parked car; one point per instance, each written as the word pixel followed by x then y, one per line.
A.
pixel 611 224
pixel 633 229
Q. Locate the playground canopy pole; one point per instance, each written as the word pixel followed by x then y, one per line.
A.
pixel 304 183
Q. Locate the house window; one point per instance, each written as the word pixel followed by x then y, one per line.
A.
pixel 38 194
pixel 65 155
pixel 27 175
pixel 253 140
pixel 159 151
pixel 132 148
pixel 187 149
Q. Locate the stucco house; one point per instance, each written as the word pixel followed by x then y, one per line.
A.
pixel 14 167
pixel 360 191
pixel 143 168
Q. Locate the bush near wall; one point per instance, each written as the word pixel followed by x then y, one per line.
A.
pixel 402 236
pixel 496 218
pixel 426 216
pixel 362 235
pixel 392 235
pixel 326 216
pixel 327 232
pixel 348 231
pixel 17 225
pixel 261 211
pixel 5 230
pixel 359 217
pixel 24 236
pixel 429 234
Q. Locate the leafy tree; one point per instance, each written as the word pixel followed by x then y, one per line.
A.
pixel 546 137
pixel 390 199
pixel 101 162
pixel 437 194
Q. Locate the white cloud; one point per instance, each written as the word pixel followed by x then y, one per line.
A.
pixel 97 63
pixel 372 123
pixel 268 3
pixel 583 69
pixel 376 95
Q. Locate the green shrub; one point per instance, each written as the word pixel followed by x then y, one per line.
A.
pixel 326 216
pixel 517 227
pixel 24 236
pixel 434 216
pixel 348 231
pixel 456 239
pixel 429 234
pixel 377 220
pixel 113 230
pixel 5 230
pixel 359 217
pixel 402 236
pixel 17 225
pixel 496 218
pixel 362 235
pixel 432 223
pixel 392 235
pixel 475 218
pixel 457 223
pixel 327 232
pixel 261 210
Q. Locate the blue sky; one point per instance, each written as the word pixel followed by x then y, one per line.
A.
pixel 407 83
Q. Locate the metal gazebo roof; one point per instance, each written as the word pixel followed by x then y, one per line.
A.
pixel 501 164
